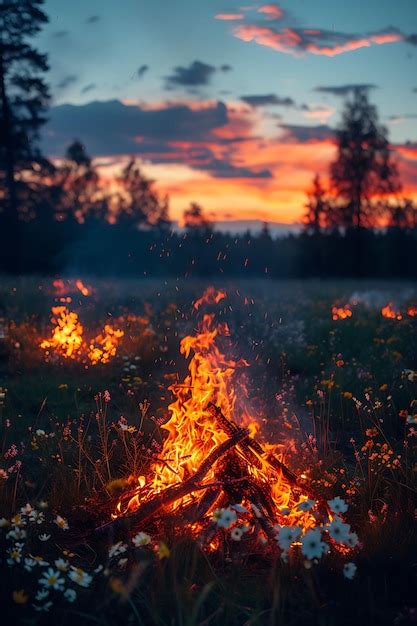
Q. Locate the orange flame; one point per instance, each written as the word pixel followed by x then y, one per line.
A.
pixel 389 312
pixel 341 313
pixel 67 336
pixel 104 346
pixel 84 290
pixel 193 432
pixel 67 339
pixel 210 295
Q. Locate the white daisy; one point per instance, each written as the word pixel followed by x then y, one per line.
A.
pixel 338 530
pixel 337 505
pixel 51 578
pixel 236 533
pixel 117 549
pixel 224 517
pixel 306 505
pixel 141 539
pixel 286 536
pixel 61 565
pixel 80 577
pixel 349 570
pixel 42 594
pixel 311 544
pixel 70 595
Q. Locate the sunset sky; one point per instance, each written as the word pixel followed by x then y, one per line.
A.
pixel 229 104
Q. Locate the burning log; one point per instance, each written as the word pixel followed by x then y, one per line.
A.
pixel 176 492
pixel 250 447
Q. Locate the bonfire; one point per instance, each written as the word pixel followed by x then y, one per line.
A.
pixel 214 458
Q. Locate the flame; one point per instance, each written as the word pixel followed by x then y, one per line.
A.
pixel 81 287
pixel 192 432
pixel 67 336
pixel 104 346
pixel 67 339
pixel 389 312
pixel 210 295
pixel 412 311
pixel 341 313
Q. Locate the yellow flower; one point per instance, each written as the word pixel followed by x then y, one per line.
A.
pixel 163 551
pixel 347 394
pixel 20 596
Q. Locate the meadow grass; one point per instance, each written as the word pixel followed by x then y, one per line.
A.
pixel 341 394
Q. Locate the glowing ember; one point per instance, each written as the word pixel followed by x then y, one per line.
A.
pixel 341 313
pixel 202 419
pixel 389 312
pixel 81 287
pixel 104 346
pixel 67 335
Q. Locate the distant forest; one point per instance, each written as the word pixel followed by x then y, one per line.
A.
pixel 59 217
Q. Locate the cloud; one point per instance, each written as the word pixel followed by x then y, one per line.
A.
pixel 88 88
pixel 142 70
pixel 224 169
pixel 319 112
pixel 344 90
pixel 260 100
pixel 129 128
pixel 397 119
pixel 195 75
pixel 229 17
pixel 271 11
pixel 204 136
pixel 67 81
pixel 304 134
pixel 93 19
pixel 299 41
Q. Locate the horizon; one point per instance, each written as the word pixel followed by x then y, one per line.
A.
pixel 205 124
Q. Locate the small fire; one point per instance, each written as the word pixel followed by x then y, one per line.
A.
pixel 67 335
pixel 341 313
pixel 81 287
pixel 389 312
pixel 104 346
pixel 207 398
pixel 210 295
pixel 68 341
pixel 412 311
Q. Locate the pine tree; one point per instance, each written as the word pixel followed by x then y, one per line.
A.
pixel 364 169
pixel 317 214
pixel 24 97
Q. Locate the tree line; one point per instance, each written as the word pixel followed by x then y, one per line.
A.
pixel 60 216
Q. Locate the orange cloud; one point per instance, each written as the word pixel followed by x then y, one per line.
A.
pixel 297 41
pixel 272 11
pixel 229 17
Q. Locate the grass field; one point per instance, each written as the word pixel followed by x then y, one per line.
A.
pixel 338 394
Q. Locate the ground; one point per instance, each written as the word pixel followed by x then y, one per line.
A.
pixel 329 371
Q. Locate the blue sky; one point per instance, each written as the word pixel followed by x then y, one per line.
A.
pixel 97 47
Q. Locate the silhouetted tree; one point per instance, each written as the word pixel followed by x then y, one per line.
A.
pixel 364 168
pixel 317 214
pixel 403 214
pixel 23 99
pixel 77 184
pixel 194 218
pixel 139 203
